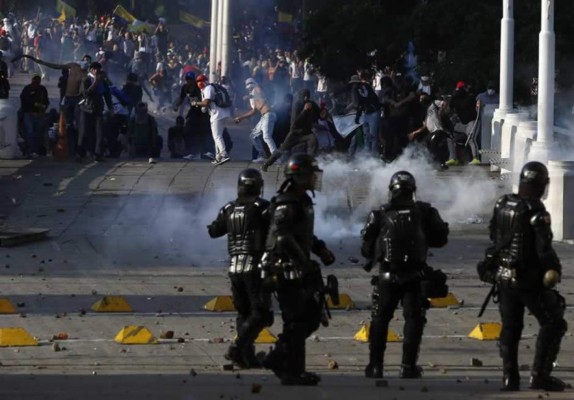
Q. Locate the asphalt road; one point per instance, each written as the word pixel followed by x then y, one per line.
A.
pixel 127 228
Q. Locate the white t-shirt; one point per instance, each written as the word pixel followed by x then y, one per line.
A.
pixel 215 112
pixel 433 122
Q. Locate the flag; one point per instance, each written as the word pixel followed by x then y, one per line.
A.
pixel 139 26
pixel 284 18
pixel 192 20
pixel 124 14
pixel 63 7
pixel 62 18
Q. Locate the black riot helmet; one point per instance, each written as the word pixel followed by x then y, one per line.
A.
pixel 304 170
pixel 533 180
pixel 249 183
pixel 402 187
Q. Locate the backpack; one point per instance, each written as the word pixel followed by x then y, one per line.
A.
pixel 222 98
pixel 402 239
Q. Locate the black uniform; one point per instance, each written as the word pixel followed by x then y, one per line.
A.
pixel 245 221
pixel 290 272
pixel 521 232
pixel 396 238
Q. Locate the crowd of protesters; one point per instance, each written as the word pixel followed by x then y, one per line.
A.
pixel 115 81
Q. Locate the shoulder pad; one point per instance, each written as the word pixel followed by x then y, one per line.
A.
pixel 422 204
pixel 501 201
pixel 228 206
pixel 374 217
pixel 261 203
pixel 283 198
pixel 385 207
pixel 541 218
pixel 535 205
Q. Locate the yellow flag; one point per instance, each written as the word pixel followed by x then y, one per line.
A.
pixel 124 14
pixel 62 7
pixel 62 17
pixel 192 20
pixel 284 17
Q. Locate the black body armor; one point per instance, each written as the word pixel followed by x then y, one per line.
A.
pixel 525 225
pixel 245 224
pixel 291 239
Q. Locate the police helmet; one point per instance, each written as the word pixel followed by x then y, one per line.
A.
pixel 300 168
pixel 190 76
pixel 533 180
pixel 402 185
pixel 249 183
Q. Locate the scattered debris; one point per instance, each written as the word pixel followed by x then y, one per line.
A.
pixel 475 362
pixel 353 260
pixel 217 340
pixel 256 388
pixel 56 347
pixel 227 367
pixel 333 365
pixel 180 289
pixel 192 372
pixel 166 335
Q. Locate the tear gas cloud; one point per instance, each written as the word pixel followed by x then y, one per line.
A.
pixel 173 229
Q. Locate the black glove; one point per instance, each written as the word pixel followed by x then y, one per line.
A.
pixel 326 256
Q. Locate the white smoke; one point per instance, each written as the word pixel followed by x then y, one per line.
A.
pixel 171 230
pixel 351 190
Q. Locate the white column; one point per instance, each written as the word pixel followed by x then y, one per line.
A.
pixel 507 56
pixel 506 73
pixel 225 48
pixel 546 62
pixel 219 31
pixel 213 41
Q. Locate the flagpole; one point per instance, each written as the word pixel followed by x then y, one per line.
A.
pixel 219 33
pixel 225 40
pixel 213 41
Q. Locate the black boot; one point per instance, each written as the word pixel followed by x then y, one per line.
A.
pixel 410 372
pixel 548 383
pixel 374 371
pixel 547 348
pixel 510 374
pixel 510 382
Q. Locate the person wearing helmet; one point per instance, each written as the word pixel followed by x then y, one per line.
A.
pixel 289 271
pixel 396 239
pixel 264 128
pixel 218 117
pixel 245 222
pixel 525 268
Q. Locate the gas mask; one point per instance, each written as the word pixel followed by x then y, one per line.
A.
pixel 490 92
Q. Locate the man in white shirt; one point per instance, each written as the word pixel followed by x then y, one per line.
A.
pixel 218 117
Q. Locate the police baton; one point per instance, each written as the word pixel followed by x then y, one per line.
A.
pixel 487 300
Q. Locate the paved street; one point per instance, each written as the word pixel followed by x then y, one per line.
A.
pixel 125 227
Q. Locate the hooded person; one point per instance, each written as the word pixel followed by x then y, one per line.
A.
pixel 143 137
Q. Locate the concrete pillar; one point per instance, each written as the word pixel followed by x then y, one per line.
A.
pixel 219 31
pixel 507 56
pixel 506 73
pixel 546 64
pixel 561 187
pixel 213 41
pixel 225 48
pixel 9 129
pixel 525 135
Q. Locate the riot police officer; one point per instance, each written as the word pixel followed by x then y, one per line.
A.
pixel 289 271
pixel 525 268
pixel 395 239
pixel 245 221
